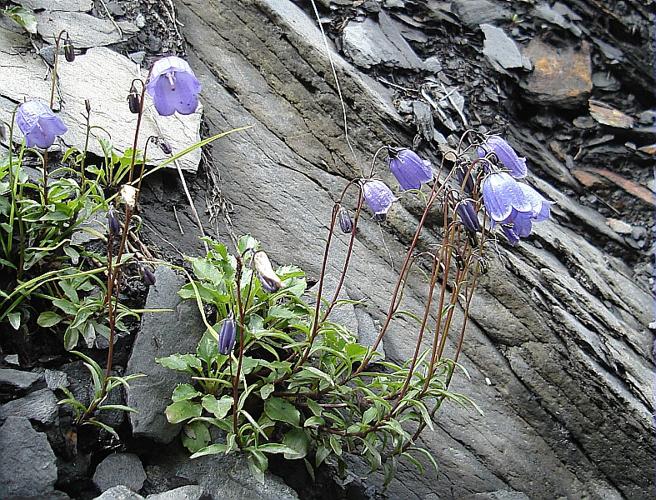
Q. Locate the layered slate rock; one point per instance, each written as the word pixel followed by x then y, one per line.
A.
pixel 27 463
pixel 39 406
pixel 558 346
pixel 17 379
pixel 161 334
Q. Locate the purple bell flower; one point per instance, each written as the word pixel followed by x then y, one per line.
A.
pixel 268 278
pixel 540 206
pixel 506 155
pixel 227 335
pixel 173 86
pixel 408 168
pixel 503 197
pixel 467 213
pixel 378 196
pixel 510 235
pixel 39 124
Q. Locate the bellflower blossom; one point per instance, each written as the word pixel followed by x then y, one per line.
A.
pixel 173 86
pixel 504 198
pixel 506 155
pixel 408 168
pixel 467 213
pixel 227 335
pixel 378 196
pixel 39 124
pixel 267 276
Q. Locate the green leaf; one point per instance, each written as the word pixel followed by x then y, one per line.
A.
pixel 219 408
pixel 48 318
pixel 184 392
pixel 181 362
pixel 282 411
pixel 208 348
pixel 205 271
pixel 23 17
pixel 322 453
pixel 212 449
pixel 280 312
pixel 14 320
pixel 247 242
pixel 182 410
pixel 117 407
pixel 66 306
pixel 335 445
pixel 71 338
pixel 266 391
pixel 195 436
pixel 314 407
pixel 369 415
pixel 257 464
pixel 314 422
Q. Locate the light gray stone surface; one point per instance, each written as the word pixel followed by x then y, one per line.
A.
pixel 84 29
pixel 161 335
pixel 500 49
pixel 39 406
pixel 58 5
pixel 27 463
pixel 120 469
pixel 191 492
pixel 103 77
pixel 119 493
pixel 17 379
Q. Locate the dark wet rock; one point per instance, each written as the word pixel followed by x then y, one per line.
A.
pixel 27 463
pixel 161 335
pixel 370 43
pixel 120 469
pixel 647 117
pixel 561 76
pixel 39 406
pixel 423 115
pixel 119 493
pixel 475 12
pixel 191 492
pixel 500 49
pixel 551 15
pixel 17 379
pixel 221 477
pixel 605 81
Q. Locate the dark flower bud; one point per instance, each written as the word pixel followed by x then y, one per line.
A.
pixel 345 222
pixel 134 101
pixel 69 49
pixel 87 105
pixel 468 216
pixel 165 147
pixel 148 276
pixel 227 335
pixel 112 221
pixel 464 178
pixel 3 132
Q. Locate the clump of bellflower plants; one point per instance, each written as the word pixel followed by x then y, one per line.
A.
pixel 278 377
pixel 49 282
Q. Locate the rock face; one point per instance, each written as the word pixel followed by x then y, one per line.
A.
pixel 162 334
pixel 39 406
pixel 120 469
pixel 559 327
pixel 27 463
pixel 16 379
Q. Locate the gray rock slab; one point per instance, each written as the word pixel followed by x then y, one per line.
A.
pixel 119 493
pixel 191 492
pixel 88 77
pixel 58 5
pixel 120 469
pixel 223 477
pixel 27 463
pixel 84 29
pixel 161 335
pixel 17 379
pixel 39 406
pixel 500 49
pixel 56 379
pixel 370 43
pixel 475 12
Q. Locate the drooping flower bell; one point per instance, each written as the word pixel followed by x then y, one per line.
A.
pixel 378 197
pixel 134 100
pixel 227 335
pixel 506 155
pixel 148 276
pixel 39 124
pixel 112 221
pixel 540 206
pixel 69 49
pixel 503 197
pixel 267 276
pixel 408 168
pixel 173 86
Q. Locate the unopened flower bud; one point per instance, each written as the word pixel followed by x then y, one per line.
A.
pixel 87 105
pixel 467 213
pixel 165 147
pixel 269 279
pixel 134 101
pixel 345 222
pixel 129 195
pixel 112 221
pixel 148 276
pixel 227 335
pixel 69 49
